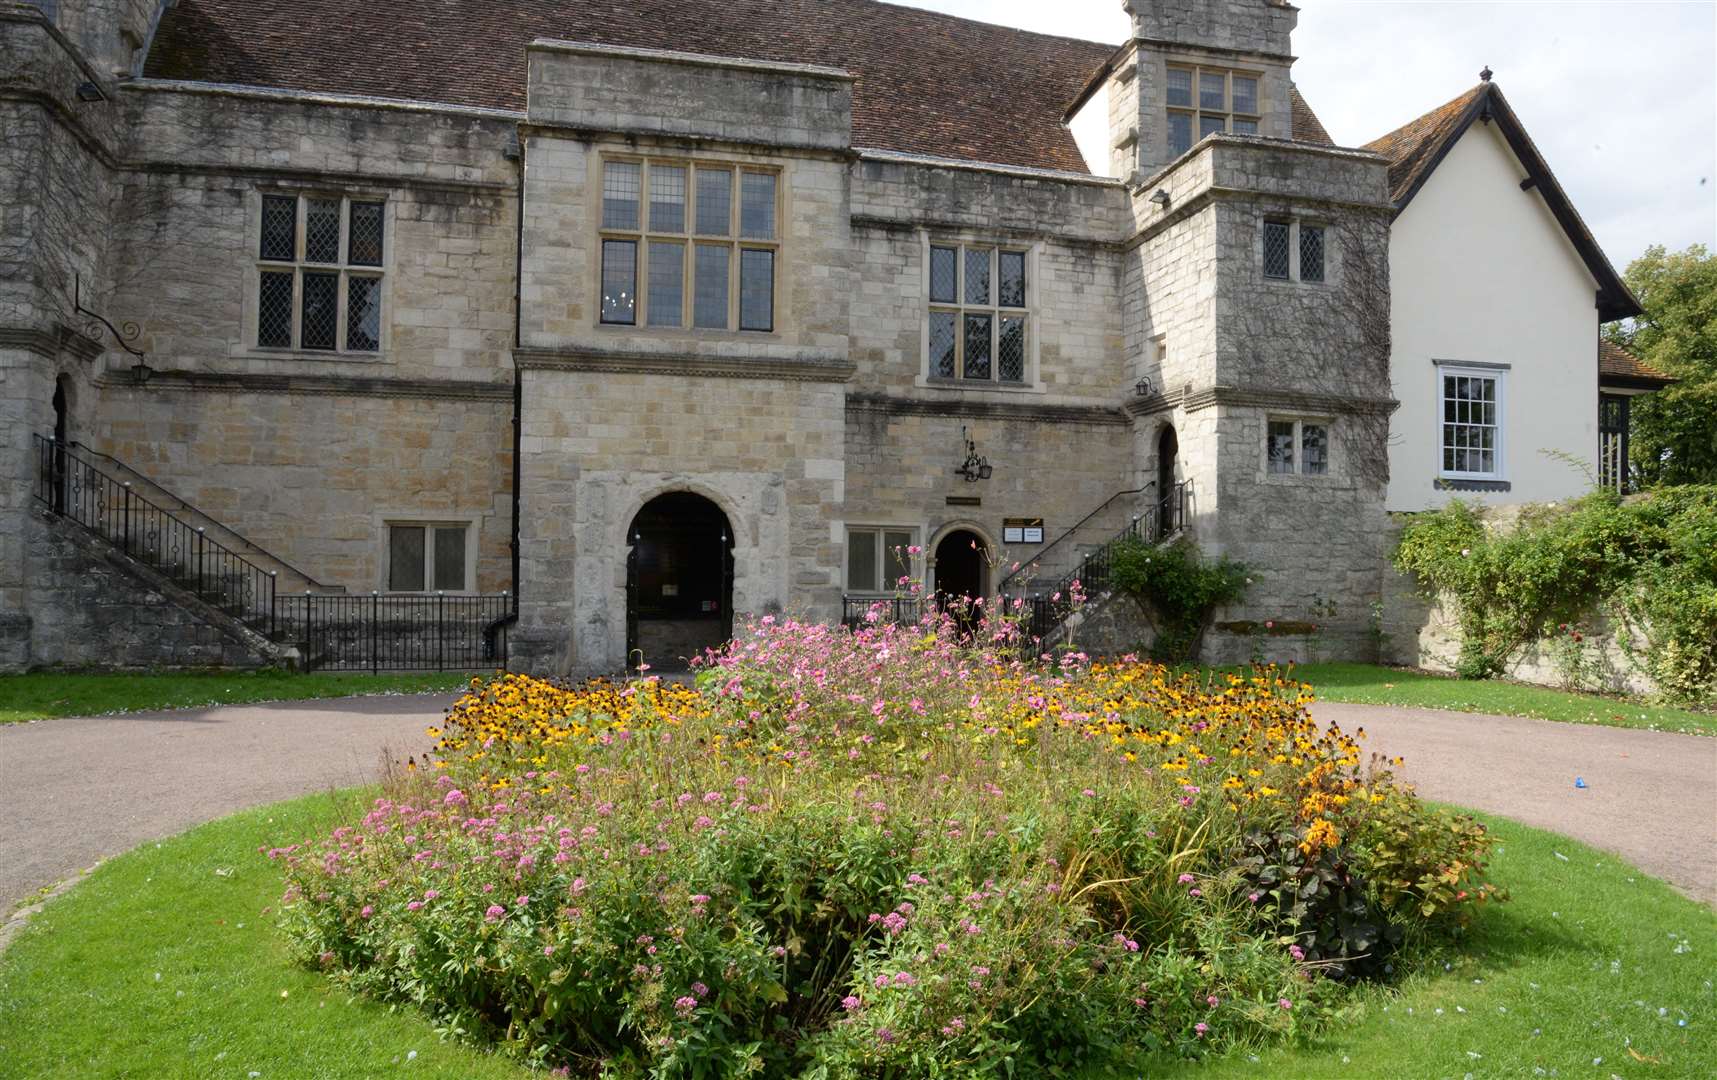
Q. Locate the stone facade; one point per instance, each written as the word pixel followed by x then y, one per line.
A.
pixel 1147 322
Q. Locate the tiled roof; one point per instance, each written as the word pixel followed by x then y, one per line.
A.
pixel 1617 365
pixel 926 83
pixel 1415 149
pixel 1307 127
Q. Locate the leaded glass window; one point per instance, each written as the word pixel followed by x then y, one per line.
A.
pixel 428 556
pixel 977 330
pixel 1314 449
pixel 1281 446
pixel 1276 249
pixel 686 229
pixel 1225 101
pixel 1311 253
pixel 319 284
pixel 1297 446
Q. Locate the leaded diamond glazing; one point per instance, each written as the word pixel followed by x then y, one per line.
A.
pixel 318 321
pixel 756 290
pixel 1276 249
pixel 274 310
pixel 942 344
pixel 978 275
pixel 363 314
pixel 709 290
pixel 944 275
pixel 977 347
pixel 1010 350
pixel 620 282
pixel 1010 286
pixel 322 230
pixel 620 195
pixel 364 234
pixel 1311 253
pixel 279 227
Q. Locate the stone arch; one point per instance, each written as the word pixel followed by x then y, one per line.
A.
pixel 679 580
pixel 989 552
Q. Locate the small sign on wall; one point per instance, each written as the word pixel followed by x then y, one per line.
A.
pixel 1022 530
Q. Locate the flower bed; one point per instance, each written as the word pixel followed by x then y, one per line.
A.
pixel 888 852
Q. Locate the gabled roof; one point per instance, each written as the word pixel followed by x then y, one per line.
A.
pixel 1307 127
pixel 926 83
pixel 1620 368
pixel 1416 149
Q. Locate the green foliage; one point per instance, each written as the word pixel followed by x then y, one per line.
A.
pixel 1177 590
pixel 1312 895
pixel 1650 561
pixel 42 695
pixel 1673 438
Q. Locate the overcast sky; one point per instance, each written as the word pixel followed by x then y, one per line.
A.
pixel 1619 95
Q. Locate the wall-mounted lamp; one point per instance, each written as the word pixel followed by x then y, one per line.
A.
pixel 89 91
pixel 1161 198
pixel 1144 387
pixel 974 468
pixel 140 373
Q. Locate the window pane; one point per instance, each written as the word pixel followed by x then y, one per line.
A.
pixel 1245 94
pixel 977 347
pixel 450 558
pixel 978 275
pixel 1211 92
pixel 364 239
pixel 274 310
pixel 1311 253
pixel 321 309
pixel 1010 350
pixel 363 313
pixel 1180 133
pixel 1314 446
pixel 1245 127
pixel 757 206
pixel 322 230
pixel 709 299
pixel 280 227
pixel 1180 87
pixel 896 560
pixel 942 344
pixel 1010 282
pixel 861 561
pixel 1211 125
pixel 405 558
pixel 620 195
pixel 715 202
pixel 1276 249
pixel 944 275
pixel 756 290
pixel 1280 444
pixel 667 198
pixel 620 281
pixel 667 283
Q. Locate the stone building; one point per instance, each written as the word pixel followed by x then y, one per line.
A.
pixel 651 314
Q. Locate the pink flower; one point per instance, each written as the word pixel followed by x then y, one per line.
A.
pixel 685 1006
pixel 430 894
pixel 1213 1001
pixel 1202 1028
pixel 548 950
pixel 1284 1004
pixel 1296 952
pixel 522 901
pixel 1185 879
pixel 699 990
pixel 849 1003
pixel 578 886
pixel 495 912
pixel 367 912
pixel 454 797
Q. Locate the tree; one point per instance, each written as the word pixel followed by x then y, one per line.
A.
pixel 1674 430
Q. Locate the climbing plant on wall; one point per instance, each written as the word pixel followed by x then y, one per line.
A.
pixel 1177 590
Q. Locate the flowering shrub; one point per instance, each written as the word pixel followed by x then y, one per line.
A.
pixel 891 852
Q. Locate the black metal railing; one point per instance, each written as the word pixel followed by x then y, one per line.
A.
pixel 856 610
pixel 397 632
pixel 1016 580
pixel 71 484
pixel 1048 605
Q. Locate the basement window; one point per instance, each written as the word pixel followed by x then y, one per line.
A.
pixel 429 556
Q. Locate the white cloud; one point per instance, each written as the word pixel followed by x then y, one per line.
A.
pixel 1619 95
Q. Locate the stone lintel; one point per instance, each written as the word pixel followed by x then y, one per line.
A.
pixel 1259 397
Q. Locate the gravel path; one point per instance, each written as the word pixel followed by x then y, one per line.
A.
pixel 75 791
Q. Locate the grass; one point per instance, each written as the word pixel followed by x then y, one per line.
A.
pixel 46 694
pixel 1374 685
pixel 165 963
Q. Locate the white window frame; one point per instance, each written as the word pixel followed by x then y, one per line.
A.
pixel 996 311
pixel 299 265
pixel 690 240
pixel 1497 374
pixel 1295 225
pixel 915 562
pixel 1299 469
pixel 388 522
pixel 1196 111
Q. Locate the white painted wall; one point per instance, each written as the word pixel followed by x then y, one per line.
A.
pixel 1090 128
pixel 1481 272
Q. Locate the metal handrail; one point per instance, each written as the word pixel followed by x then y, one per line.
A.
pixel 1037 560
pixel 72 486
pixel 187 505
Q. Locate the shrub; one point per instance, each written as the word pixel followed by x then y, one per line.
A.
pixel 886 853
pixel 1177 590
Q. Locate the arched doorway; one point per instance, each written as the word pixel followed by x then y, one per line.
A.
pixel 679 581
pixel 962 572
pixel 62 435
pixel 1168 446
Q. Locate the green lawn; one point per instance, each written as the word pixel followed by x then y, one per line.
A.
pixel 165 963
pixel 44 694
pixel 1373 685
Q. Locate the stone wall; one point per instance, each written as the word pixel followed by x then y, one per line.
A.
pixel 93 607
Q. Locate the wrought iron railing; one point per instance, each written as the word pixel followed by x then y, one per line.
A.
pixel 1021 576
pixel 70 483
pixel 856 610
pixel 396 632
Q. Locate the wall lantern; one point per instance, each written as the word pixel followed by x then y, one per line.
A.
pixel 1144 387
pixel 974 468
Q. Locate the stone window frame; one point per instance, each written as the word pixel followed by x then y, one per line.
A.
pixel 1300 421
pixel 384 524
pixel 691 239
pixel 878 533
pixel 1031 380
pixel 1296 225
pixel 298 265
pixel 1233 120
pixel 1458 369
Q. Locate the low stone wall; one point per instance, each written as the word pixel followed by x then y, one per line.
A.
pixel 89 606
